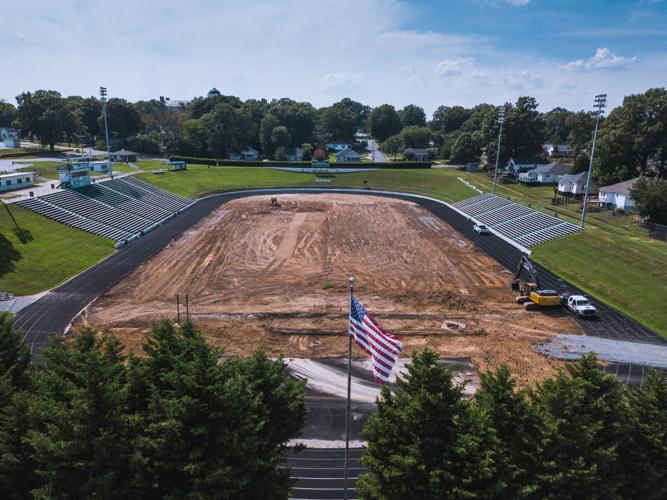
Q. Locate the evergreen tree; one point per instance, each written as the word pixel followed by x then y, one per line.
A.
pixel 583 421
pixel 423 441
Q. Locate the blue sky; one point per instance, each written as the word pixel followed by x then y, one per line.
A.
pixel 426 52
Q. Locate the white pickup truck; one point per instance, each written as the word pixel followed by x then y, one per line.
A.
pixel 581 306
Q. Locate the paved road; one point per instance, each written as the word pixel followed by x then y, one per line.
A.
pixel 376 154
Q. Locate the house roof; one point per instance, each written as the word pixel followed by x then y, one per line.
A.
pixel 124 152
pixel 573 177
pixel 250 149
pixel 620 187
pixel 348 152
pixel 551 168
pixel 528 161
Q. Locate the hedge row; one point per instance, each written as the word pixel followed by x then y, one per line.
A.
pixel 299 164
pixel 38 152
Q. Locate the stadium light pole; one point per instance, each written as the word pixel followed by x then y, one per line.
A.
pixel 501 120
pixel 600 104
pixel 349 388
pixel 103 100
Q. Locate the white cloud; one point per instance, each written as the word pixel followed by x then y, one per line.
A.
pixel 340 81
pixel 518 3
pixel 524 80
pixel 603 59
pixel 449 67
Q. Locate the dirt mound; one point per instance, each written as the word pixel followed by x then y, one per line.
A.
pixel 276 277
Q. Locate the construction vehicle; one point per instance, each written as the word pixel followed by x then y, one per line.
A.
pixel 530 293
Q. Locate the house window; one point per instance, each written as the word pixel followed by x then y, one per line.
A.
pixel 19 181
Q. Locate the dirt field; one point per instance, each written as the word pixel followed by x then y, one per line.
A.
pixel 277 277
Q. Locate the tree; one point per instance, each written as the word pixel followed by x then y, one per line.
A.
pixel 337 123
pixel 523 131
pixel 556 125
pixel 409 154
pixel 448 119
pixel 644 453
pixel 269 122
pixel 580 127
pixel 412 115
pixel 360 111
pixel 300 118
pixel 307 151
pixel 193 139
pixel 515 426
pixel 650 197
pixel 392 145
pixel 228 128
pixel 124 121
pixel 7 114
pixel 584 413
pixel 280 154
pixel 46 115
pixel 281 137
pixel 416 137
pixel 384 122
pixel 465 149
pixel 89 111
pixel 423 442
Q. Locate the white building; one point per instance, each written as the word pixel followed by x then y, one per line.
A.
pixel 337 145
pixel 517 167
pixel 544 174
pixel 16 180
pixel 347 155
pixel 617 196
pixel 574 185
pixel 294 154
pixel 10 136
pixel 559 150
pixel 248 154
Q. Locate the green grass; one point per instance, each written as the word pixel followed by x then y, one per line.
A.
pixel 152 165
pixel 123 168
pixel 11 151
pixel 54 253
pixel 45 169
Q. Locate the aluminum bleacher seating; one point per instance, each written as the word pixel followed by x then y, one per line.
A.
pixel 115 209
pixel 524 225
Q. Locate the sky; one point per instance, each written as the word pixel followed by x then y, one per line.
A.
pixel 424 52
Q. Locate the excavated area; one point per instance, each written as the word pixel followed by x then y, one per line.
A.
pixel 276 277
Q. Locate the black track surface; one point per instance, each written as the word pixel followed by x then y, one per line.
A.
pixel 318 472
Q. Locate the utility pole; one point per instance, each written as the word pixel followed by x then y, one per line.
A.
pixel 103 100
pixel 600 104
pixel 501 120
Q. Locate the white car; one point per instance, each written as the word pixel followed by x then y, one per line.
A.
pixel 581 306
pixel 481 229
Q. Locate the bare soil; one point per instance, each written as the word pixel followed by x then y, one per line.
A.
pixel 276 277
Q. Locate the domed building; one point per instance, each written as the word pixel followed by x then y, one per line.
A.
pixel 213 92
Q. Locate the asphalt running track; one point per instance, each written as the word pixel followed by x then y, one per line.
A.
pixel 318 472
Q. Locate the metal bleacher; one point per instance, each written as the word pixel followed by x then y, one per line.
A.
pixel 115 209
pixel 524 225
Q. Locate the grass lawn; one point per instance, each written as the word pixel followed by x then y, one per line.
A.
pixel 123 168
pixel 54 253
pixel 46 169
pixel 11 151
pixel 152 165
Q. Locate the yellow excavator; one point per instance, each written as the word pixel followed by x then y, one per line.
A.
pixel 530 293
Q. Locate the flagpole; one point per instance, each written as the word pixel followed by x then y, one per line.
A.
pixel 349 386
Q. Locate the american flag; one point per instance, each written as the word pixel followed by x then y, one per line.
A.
pixel 383 347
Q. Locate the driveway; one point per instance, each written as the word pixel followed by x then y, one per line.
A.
pixel 377 155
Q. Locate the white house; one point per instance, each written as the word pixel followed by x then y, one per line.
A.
pixel 516 167
pixel 348 155
pixel 248 154
pixel 361 136
pixel 574 185
pixel 16 180
pixel 294 154
pixel 337 145
pixel 10 136
pixel 562 150
pixel 420 154
pixel 544 174
pixel 617 196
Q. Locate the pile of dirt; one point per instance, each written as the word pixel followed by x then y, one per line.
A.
pixel 276 277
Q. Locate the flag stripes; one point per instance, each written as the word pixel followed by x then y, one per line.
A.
pixel 384 348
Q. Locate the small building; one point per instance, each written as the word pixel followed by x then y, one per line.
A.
pixel 361 136
pixel 124 156
pixel 544 174
pixel 177 165
pixel 515 167
pixel 420 154
pixel 16 180
pixel 100 166
pixel 294 154
pixel 248 154
pixel 338 145
pixel 10 137
pixel 617 196
pixel 74 175
pixel 574 185
pixel 558 150
pixel 347 155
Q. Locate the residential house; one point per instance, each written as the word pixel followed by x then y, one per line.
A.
pixel 558 150
pixel 338 145
pixel 515 167
pixel 16 180
pixel 361 136
pixel 124 156
pixel 544 174
pixel 574 185
pixel 617 196
pixel 420 154
pixel 347 155
pixel 248 154
pixel 294 154
pixel 10 136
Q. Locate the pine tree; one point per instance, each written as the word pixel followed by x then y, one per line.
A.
pixel 423 442
pixel 583 421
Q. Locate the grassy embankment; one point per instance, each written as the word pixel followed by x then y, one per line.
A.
pixel 49 169
pixel 52 252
